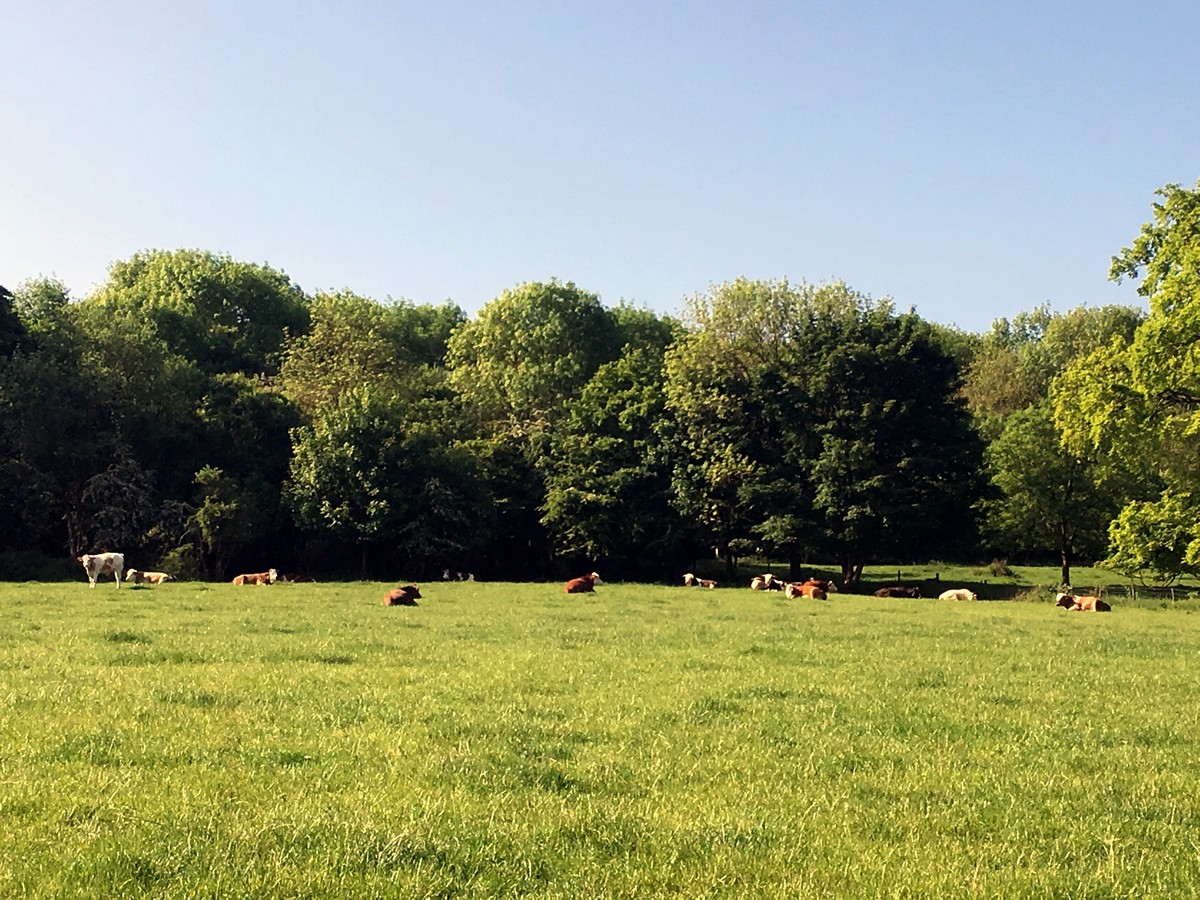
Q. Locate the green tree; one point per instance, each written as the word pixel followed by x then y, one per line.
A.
pixel 225 518
pixel 797 409
pixel 1138 400
pixel 1048 496
pixel 528 354
pixel 608 487
pixel 893 462
pixel 221 314
pixel 398 349
pixel 369 472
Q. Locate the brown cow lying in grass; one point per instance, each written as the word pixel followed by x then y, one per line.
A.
pixel 811 590
pixel 261 578
pixel 405 595
pixel 583 585
pixel 898 590
pixel 690 580
pixel 1080 603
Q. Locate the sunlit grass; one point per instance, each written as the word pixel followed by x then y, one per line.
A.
pixel 303 740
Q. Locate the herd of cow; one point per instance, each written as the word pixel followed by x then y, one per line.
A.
pixel 97 564
pixel 819 589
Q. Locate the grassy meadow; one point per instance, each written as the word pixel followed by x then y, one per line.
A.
pixel 302 740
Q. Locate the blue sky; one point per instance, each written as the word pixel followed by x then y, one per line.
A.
pixel 970 159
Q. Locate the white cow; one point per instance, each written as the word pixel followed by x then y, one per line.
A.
pixel 957 594
pixel 147 577
pixel 97 564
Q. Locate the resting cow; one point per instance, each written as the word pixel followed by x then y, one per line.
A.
pixel 405 595
pixel 690 580
pixel 583 585
pixel 896 590
pixel 957 594
pixel 810 589
pixel 1080 603
pixel 96 564
pixel 260 578
pixel 767 582
pixel 138 577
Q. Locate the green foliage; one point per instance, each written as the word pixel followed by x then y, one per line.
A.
pixel 1139 401
pixel 608 483
pixel 221 314
pixel 369 471
pixel 12 330
pixel 352 342
pixel 527 355
pixel 225 517
pixel 797 407
pixel 1049 497
pixel 1156 541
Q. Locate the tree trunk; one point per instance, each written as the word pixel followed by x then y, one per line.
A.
pixel 795 562
pixel 1066 567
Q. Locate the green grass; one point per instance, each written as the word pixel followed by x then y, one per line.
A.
pixel 508 740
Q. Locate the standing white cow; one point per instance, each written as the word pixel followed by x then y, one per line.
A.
pixel 97 564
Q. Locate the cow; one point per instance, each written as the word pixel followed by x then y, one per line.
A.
pixel 958 594
pixel 896 590
pixel 447 575
pixel 296 579
pixel 259 578
pixel 767 582
pixel 97 564
pixel 824 584
pixel 1077 603
pixel 690 580
pixel 405 595
pixel 138 577
pixel 810 589
pixel 583 585
pixel 706 583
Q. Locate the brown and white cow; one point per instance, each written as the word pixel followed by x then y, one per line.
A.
pixel 585 584
pixel 97 564
pixel 690 580
pixel 405 595
pixel 138 577
pixel 260 578
pixel 811 590
pixel 1081 603
pixel 766 582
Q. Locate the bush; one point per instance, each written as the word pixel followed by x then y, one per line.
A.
pixel 32 565
pixel 999 568
pixel 181 564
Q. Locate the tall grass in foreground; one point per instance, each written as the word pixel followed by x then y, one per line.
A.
pixel 499 740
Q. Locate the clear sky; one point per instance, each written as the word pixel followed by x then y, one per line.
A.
pixel 972 159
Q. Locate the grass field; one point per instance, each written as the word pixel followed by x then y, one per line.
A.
pixel 197 740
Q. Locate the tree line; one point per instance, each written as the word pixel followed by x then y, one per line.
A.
pixel 202 414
